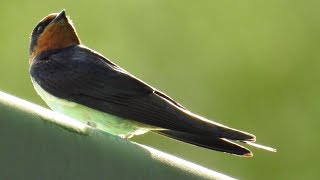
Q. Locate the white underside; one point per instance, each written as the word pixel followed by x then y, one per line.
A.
pixel 106 122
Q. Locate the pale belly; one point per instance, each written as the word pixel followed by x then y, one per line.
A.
pixel 100 120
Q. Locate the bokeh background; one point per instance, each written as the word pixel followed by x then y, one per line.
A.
pixel 250 65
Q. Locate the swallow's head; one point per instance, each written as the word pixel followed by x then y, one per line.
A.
pixel 55 31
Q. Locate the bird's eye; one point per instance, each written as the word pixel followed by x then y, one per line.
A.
pixel 39 29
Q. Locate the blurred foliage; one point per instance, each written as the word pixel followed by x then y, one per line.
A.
pixel 252 65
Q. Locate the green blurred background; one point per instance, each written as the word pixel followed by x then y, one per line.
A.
pixel 250 65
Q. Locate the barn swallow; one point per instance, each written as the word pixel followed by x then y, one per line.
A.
pixel 81 83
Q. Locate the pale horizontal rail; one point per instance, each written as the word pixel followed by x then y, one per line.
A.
pixel 37 143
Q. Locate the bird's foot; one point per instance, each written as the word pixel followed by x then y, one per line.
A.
pixel 92 124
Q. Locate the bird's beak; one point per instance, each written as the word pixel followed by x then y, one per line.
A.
pixel 59 17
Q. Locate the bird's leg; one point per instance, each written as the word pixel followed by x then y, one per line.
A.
pixel 92 124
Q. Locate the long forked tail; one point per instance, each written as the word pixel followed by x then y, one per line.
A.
pixel 218 144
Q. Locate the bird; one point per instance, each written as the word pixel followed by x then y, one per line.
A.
pixel 81 83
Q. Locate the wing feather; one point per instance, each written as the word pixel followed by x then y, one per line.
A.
pixel 82 76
